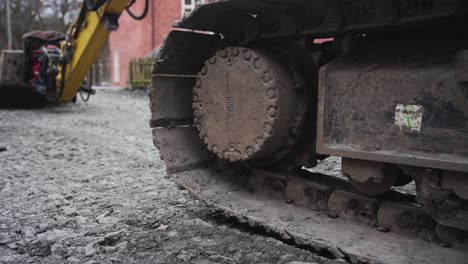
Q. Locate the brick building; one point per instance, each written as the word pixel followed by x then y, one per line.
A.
pixel 136 39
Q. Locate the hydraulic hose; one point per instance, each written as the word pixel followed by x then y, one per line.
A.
pixel 90 86
pixel 57 96
pixel 143 14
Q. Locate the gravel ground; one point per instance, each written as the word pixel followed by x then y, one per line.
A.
pixel 82 183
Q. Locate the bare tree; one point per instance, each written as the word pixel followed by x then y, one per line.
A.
pixel 28 15
pixel 62 13
pixel 25 16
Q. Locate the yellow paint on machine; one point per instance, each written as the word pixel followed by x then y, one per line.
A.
pixel 87 46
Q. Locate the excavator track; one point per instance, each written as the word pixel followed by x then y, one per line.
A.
pixel 241 150
pixel 335 220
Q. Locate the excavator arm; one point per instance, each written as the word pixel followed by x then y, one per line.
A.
pixel 85 40
pixel 53 66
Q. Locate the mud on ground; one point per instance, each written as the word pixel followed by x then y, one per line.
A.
pixel 82 183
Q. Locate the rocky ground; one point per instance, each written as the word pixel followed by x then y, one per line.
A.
pixel 82 183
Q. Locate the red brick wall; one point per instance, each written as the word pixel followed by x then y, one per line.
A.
pixel 136 39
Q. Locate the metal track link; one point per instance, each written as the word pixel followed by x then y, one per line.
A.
pixel 388 229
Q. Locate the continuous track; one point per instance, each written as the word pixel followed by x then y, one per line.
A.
pixel 312 210
pixel 307 211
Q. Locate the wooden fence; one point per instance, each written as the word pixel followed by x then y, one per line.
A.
pixel 139 73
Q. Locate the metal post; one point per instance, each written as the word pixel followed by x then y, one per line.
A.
pixel 8 18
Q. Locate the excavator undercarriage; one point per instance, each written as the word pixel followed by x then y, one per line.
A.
pixel 248 95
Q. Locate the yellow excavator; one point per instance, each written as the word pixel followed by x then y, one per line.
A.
pixel 52 66
pixel 247 99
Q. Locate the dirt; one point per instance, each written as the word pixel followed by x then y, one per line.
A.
pixel 82 183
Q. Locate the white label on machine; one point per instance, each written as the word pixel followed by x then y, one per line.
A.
pixel 409 117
